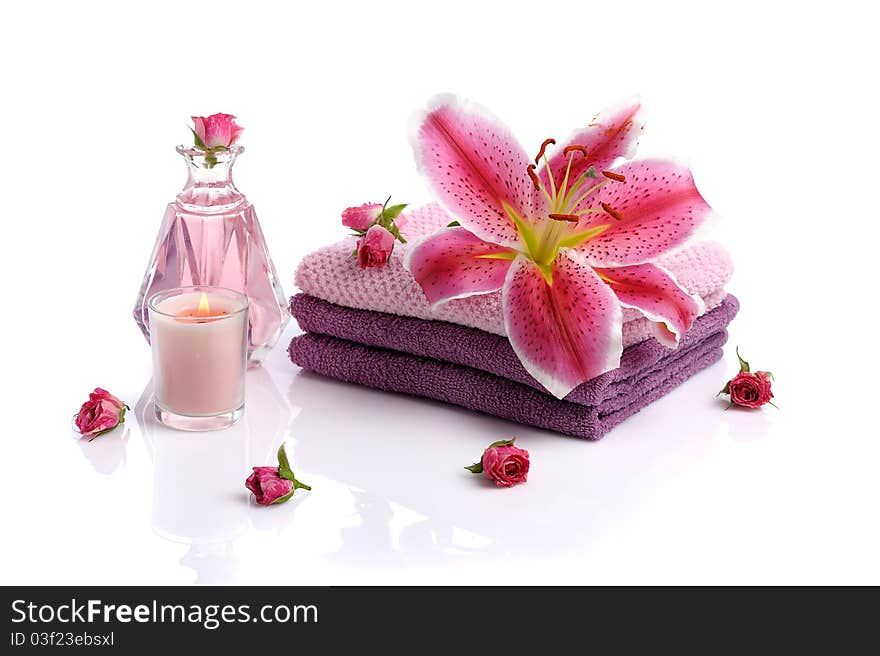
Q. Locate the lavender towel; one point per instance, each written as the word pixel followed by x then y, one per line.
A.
pixel 484 392
pixel 477 349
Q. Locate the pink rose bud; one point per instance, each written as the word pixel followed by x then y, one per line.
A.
pixel 503 463
pixel 101 413
pixel 274 484
pixel 749 389
pixel 361 218
pixel 217 130
pixel 375 247
pixel 268 487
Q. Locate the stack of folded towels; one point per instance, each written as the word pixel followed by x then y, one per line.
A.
pixel 375 327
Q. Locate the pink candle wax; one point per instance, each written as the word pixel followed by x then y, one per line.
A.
pixel 199 341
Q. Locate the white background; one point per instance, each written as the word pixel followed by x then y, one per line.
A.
pixel 773 104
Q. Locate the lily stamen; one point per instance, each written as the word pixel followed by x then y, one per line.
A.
pixel 569 149
pixel 563 321
pixel 530 169
pixel 610 210
pixel 611 175
pixel 544 145
pixel 561 195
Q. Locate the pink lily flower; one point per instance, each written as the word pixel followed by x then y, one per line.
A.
pixel 568 244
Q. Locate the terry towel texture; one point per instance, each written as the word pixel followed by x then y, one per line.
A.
pixel 493 354
pixel 484 392
pixel 332 274
pixel 374 327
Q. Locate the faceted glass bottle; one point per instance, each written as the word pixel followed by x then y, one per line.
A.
pixel 210 236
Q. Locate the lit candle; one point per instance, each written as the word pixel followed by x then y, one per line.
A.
pixel 199 341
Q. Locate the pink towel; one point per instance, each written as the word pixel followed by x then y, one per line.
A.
pixel 332 274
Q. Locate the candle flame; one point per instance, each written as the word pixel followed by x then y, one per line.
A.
pixel 204 308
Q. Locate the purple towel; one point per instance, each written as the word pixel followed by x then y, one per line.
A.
pixel 491 353
pixel 484 392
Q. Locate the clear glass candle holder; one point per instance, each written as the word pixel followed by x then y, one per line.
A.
pixel 199 339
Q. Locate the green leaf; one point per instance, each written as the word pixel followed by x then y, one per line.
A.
pixel 284 470
pixel 743 365
pixel 454 224
pixel 394 211
pixel 199 143
pixel 106 430
pixel 476 468
pixel 394 230
pixel 769 375
pixel 502 443
pixel 726 389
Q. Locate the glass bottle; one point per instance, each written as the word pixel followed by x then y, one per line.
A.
pixel 210 236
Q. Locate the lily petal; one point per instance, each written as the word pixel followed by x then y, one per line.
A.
pixel 455 263
pixel 658 208
pixel 475 167
pixel 564 331
pixel 653 291
pixel 613 133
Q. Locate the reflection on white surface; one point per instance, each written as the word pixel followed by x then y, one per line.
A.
pixel 346 431
pixel 106 452
pixel 353 435
pixel 369 540
pixel 760 423
pixel 684 491
pixel 333 435
pixel 391 495
pixel 199 496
